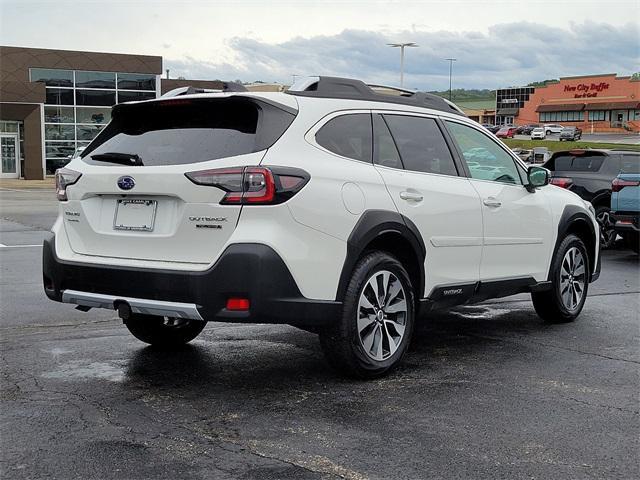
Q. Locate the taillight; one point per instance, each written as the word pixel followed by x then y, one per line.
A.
pixel 65 177
pixel 618 184
pixel 562 182
pixel 252 185
pixel 259 185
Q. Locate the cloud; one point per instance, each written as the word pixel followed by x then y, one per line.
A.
pixel 506 55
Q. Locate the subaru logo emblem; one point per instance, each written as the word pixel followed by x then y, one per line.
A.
pixel 126 183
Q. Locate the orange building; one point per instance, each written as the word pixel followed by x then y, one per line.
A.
pixel 598 103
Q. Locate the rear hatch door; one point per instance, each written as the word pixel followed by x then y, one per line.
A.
pixel 134 201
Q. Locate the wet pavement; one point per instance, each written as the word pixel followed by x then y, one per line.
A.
pixel 487 391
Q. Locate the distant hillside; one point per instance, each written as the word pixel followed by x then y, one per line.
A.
pixel 464 95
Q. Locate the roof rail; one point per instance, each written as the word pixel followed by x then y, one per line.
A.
pixel 350 89
pixel 400 90
pixel 189 90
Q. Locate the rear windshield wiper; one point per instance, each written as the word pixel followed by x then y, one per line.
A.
pixel 122 158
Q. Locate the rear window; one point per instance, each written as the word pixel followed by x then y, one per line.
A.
pixel 567 162
pixel 630 163
pixel 180 131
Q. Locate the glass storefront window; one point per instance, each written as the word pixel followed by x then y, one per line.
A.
pixel 59 132
pixel 58 115
pixel 78 106
pixel 59 149
pixel 134 96
pixel 598 115
pixel 136 81
pixel 95 97
pixel 88 132
pixel 93 115
pixel 9 127
pixel 95 80
pixel 51 77
pixel 59 96
pixel 570 116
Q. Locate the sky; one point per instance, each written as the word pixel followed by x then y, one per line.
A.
pixel 496 43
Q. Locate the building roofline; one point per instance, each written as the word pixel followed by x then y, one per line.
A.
pixel 79 51
pixel 589 76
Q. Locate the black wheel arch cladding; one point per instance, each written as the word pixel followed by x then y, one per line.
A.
pixel 576 221
pixel 372 225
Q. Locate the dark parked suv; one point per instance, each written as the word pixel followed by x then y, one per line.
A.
pixel 526 129
pixel 589 174
pixel 571 133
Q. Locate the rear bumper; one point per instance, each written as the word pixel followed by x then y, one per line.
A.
pixel 625 222
pixel 244 270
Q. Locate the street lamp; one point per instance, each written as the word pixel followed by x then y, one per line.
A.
pixel 402 45
pixel 450 60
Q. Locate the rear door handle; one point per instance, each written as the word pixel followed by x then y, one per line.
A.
pixel 492 202
pixel 412 196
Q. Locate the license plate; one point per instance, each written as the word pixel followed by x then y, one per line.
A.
pixel 135 214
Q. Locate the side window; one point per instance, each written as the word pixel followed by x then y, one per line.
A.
pixel 385 152
pixel 348 135
pixel 484 157
pixel 421 144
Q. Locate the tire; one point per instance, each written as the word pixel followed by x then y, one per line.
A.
pixel 373 345
pixel 632 241
pixel 548 132
pixel 569 283
pixel 164 331
pixel 607 230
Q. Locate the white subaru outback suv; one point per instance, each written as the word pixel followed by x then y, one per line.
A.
pixel 332 207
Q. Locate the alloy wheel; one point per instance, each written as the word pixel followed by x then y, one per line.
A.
pixel 382 315
pixel 572 278
pixel 607 232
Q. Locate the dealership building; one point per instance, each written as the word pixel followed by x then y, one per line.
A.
pixel 598 103
pixel 54 101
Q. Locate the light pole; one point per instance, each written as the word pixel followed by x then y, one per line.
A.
pixel 450 60
pixel 401 46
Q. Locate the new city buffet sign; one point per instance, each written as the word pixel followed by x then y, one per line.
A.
pixel 584 90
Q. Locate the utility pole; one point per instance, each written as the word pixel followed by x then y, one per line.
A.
pixel 450 60
pixel 401 46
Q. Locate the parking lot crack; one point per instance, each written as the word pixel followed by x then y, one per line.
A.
pixel 556 347
pixel 312 463
pixel 606 407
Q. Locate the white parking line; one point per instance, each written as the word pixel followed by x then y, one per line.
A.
pixel 2 245
pixel 32 190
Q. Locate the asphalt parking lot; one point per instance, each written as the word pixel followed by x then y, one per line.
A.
pixel 622 139
pixel 487 391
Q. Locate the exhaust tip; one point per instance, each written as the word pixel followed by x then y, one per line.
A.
pixel 124 310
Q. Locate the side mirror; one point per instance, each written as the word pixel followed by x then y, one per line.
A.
pixel 537 177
